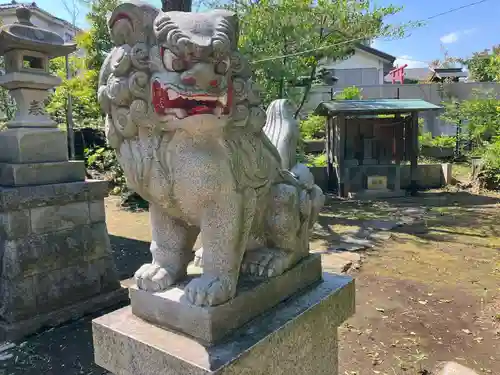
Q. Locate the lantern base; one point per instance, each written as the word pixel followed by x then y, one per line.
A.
pixel 33 145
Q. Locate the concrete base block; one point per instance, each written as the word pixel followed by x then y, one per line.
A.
pixel 56 256
pixel 376 194
pixel 370 161
pixel 210 324
pixel 12 331
pixel 23 197
pixel 33 145
pixel 447 173
pixel 41 173
pixel 298 336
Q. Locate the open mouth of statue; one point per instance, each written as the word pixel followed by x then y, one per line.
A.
pixel 167 100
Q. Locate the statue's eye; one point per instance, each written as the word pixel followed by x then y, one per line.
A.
pixel 222 66
pixel 172 62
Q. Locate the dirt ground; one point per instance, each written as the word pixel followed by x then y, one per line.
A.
pixel 429 293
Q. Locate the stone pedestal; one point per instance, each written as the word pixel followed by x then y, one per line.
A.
pixel 56 263
pixel 56 256
pixel 211 324
pixel 298 336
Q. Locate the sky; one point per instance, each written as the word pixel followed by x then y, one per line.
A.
pixel 461 32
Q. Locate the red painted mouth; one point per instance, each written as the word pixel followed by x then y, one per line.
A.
pixel 167 100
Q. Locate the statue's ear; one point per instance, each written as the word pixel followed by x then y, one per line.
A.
pixel 131 23
pixel 228 24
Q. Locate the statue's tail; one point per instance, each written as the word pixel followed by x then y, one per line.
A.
pixel 282 129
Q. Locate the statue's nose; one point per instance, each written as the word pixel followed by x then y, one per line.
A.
pixel 201 75
pixel 188 80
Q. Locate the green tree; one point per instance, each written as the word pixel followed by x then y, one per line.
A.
pixel 480 115
pixel 494 66
pixel 484 66
pixel 7 105
pixel 96 40
pixel 81 86
pixel 446 62
pixel 84 72
pixel 286 39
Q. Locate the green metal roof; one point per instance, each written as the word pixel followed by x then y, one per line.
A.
pixel 376 106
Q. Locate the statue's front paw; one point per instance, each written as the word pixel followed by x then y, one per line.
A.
pixel 198 257
pixel 267 262
pixel 153 278
pixel 210 290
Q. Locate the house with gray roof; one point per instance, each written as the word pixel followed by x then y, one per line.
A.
pixel 366 66
pixel 40 18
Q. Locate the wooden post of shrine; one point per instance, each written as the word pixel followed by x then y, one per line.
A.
pixel 413 152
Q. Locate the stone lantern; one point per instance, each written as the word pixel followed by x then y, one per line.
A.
pixel 56 255
pixel 32 135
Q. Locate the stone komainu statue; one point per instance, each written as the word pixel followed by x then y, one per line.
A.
pixel 184 117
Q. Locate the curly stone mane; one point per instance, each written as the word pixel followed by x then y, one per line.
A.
pixel 192 138
pixel 124 83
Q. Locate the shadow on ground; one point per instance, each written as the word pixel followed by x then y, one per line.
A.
pixel 404 311
pixel 68 349
pixel 443 217
pixel 129 255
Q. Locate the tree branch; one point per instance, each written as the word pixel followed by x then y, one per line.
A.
pixel 312 74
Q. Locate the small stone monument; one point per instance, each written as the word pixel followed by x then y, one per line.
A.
pixel 185 119
pixel 56 262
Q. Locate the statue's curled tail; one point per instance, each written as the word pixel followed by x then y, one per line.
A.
pixel 282 129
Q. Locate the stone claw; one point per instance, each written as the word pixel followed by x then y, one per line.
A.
pixel 267 262
pixel 153 278
pixel 198 258
pixel 209 291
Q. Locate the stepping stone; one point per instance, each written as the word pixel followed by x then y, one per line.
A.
pixel 341 262
pixel 356 241
pixel 358 233
pixel 453 368
pixel 383 225
pixel 414 211
pixel 411 221
pixel 345 246
pixel 381 236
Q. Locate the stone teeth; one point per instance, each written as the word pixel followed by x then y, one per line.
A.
pixel 223 100
pixel 203 98
pixel 172 94
pixel 218 111
pixel 180 113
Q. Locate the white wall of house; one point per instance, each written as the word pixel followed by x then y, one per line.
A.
pixel 360 60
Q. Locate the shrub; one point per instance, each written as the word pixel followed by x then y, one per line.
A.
pixel 489 176
pixel 311 127
pixel 425 139
pixel 102 161
pixel 479 115
pixel 442 141
pixel 319 161
pixel 349 93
